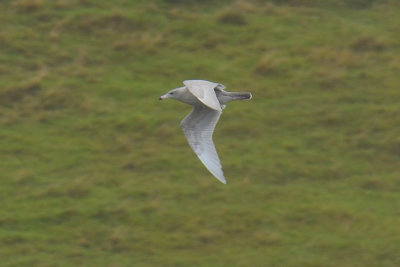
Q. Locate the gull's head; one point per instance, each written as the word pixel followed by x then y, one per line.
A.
pixel 174 93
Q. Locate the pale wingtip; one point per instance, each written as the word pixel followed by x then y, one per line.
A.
pixel 222 180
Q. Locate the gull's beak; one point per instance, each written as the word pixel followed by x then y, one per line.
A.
pixel 162 97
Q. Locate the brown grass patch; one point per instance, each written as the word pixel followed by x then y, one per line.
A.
pixel 58 98
pixel 374 185
pixel 269 8
pixel 174 13
pixel 12 95
pixel 207 235
pixel 79 188
pixel 146 42
pixel 150 42
pixel 268 64
pixel 150 207
pixel 28 5
pixel 330 79
pixel 64 4
pixel 123 143
pixel 23 176
pixel 123 44
pixel 245 6
pixel 115 22
pixel 330 56
pixel 116 241
pixel 368 43
pixel 267 238
pixel 31 100
pixel 231 16
pixel 129 166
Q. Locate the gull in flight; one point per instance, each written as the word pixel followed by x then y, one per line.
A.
pixel 208 99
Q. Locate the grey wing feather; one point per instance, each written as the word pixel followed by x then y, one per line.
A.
pixel 204 92
pixel 198 128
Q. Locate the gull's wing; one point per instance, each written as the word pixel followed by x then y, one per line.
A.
pixel 198 128
pixel 204 92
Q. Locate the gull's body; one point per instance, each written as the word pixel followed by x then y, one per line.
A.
pixel 207 99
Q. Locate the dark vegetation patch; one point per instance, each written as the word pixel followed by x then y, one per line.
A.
pixel 231 16
pixel 13 95
pixel 115 21
pixel 368 43
pixel 28 5
pixel 353 4
pixel 191 2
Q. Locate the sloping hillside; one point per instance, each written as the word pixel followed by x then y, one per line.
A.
pixel 95 171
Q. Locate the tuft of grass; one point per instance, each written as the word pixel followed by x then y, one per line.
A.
pixel 174 13
pixel 269 239
pixel 269 64
pixel 368 43
pixel 328 56
pixel 14 95
pixel 374 185
pixel 246 6
pixel 149 42
pixel 78 188
pixel 269 8
pixel 28 5
pixel 330 79
pixel 116 241
pixel 232 16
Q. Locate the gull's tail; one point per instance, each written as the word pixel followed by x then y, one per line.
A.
pixel 241 95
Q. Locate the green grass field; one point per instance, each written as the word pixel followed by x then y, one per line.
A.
pixel 95 171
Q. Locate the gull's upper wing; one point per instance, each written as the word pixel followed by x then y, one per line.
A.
pixel 204 91
pixel 198 128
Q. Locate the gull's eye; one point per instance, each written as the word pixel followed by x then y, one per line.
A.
pixel 171 93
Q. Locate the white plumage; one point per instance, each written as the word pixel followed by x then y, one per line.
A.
pixel 204 91
pixel 207 99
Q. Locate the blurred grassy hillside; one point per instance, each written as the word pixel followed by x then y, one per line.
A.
pixel 95 171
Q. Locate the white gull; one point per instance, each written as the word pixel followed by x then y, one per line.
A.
pixel 208 99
